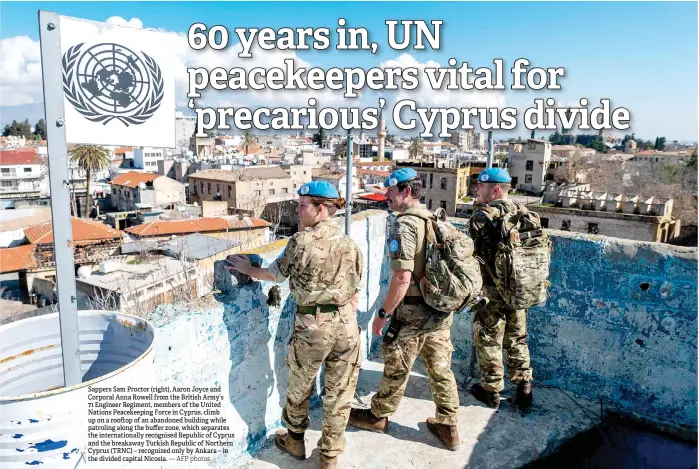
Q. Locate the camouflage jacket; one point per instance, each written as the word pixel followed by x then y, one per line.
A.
pixel 486 236
pixel 406 246
pixel 323 265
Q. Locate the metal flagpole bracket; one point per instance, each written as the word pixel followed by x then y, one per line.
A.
pixel 59 178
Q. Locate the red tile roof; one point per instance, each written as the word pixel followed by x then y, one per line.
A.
pixel 122 150
pixel 371 172
pixel 17 259
pixel 21 156
pixel 199 225
pixel 83 230
pixel 374 197
pixel 361 164
pixel 132 179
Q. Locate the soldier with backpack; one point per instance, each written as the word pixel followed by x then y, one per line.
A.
pixel 427 256
pixel 514 252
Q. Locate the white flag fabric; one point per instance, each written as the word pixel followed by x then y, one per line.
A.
pixel 118 88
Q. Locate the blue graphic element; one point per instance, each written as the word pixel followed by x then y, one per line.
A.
pixel 49 445
pixel 393 245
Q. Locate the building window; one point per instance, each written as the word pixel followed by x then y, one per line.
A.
pixel 195 189
pixel 443 204
pixel 528 179
pixel 593 228
pixel 424 183
pixel 530 165
pixel 5 170
pixel 202 187
pixel 304 173
pixel 443 183
pixel 27 170
pixel 230 191
pixel 218 189
pixel 285 190
pixel 544 222
pixel 258 193
pixel 565 225
pixel 429 204
pixel 6 183
pixel 208 188
pixel 431 180
pixel 271 192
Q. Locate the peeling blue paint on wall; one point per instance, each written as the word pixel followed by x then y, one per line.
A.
pixel 600 335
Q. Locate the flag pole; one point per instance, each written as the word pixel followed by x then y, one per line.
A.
pixel 52 77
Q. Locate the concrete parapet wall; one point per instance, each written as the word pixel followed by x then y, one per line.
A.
pixel 602 333
pixel 621 325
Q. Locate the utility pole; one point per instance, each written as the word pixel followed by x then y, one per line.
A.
pixel 348 184
pixel 489 163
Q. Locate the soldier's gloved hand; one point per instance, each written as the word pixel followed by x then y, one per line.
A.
pixel 378 325
pixel 239 263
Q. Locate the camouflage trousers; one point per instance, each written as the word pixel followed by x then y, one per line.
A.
pixel 501 327
pixel 419 335
pixel 333 339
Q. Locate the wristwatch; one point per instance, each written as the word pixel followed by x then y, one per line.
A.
pixel 383 314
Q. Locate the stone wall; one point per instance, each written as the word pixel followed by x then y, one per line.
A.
pixel 620 325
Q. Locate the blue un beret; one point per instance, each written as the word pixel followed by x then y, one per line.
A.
pixel 495 175
pixel 318 189
pixel 402 175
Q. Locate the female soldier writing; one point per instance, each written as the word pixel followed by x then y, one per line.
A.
pixel 324 268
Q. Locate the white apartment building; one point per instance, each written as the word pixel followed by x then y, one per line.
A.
pixel 529 163
pixel 22 174
pixel 184 129
pixel 463 140
pixel 147 158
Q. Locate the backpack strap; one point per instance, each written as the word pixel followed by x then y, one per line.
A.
pixel 430 235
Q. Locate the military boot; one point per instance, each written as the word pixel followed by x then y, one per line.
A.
pixel 327 463
pixel 523 396
pixel 489 398
pixel 292 443
pixel 447 433
pixel 365 419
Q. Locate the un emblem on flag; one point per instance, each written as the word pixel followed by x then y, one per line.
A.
pixel 109 82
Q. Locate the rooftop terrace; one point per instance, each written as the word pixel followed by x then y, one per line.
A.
pixel 618 333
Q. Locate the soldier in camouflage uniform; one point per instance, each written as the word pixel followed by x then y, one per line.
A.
pixel 424 331
pixel 498 326
pixel 324 268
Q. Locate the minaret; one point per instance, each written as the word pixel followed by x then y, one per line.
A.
pixel 382 136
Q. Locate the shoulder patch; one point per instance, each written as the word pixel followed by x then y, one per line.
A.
pixel 394 245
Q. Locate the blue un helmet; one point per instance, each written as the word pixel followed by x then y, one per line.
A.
pixel 319 189
pixel 495 175
pixel 402 175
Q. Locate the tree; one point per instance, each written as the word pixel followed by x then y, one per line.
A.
pixel 248 139
pixel 40 129
pixel 390 139
pixel 692 163
pixel 318 138
pixel 17 129
pixel 416 147
pixel 90 158
pixel 659 143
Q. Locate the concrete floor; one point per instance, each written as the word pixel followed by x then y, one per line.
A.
pixel 506 439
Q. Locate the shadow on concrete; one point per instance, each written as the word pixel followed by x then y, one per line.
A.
pixel 254 374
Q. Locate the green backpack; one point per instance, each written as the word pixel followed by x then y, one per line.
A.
pixel 522 257
pixel 452 273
